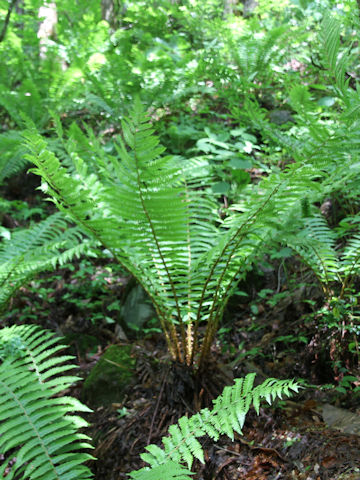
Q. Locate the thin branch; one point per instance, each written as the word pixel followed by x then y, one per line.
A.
pixel 7 19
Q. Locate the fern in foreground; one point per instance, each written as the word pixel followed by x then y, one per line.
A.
pixel 227 417
pixel 37 429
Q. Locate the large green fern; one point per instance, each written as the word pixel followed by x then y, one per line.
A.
pixel 227 417
pixel 159 218
pixel 38 429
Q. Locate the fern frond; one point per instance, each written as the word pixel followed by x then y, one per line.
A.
pixel 37 428
pixel 45 245
pixel 170 470
pixel 254 56
pixel 330 33
pixel 12 154
pixel 315 244
pixel 227 417
pixel 350 258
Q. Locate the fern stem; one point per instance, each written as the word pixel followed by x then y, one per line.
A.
pixel 189 335
pixel 209 337
pixel 172 286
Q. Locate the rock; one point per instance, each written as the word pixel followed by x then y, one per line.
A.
pixel 343 420
pixel 110 377
pixel 137 309
pixel 279 117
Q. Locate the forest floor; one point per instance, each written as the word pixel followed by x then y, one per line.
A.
pixel 306 437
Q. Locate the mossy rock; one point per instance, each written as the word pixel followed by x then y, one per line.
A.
pixel 109 379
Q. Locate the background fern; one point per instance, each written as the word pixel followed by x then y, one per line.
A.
pixel 37 428
pixel 45 245
pixel 12 154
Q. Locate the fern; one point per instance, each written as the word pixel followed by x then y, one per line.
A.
pixel 315 244
pixel 226 417
pixel 350 257
pixel 159 219
pixel 45 245
pixel 254 56
pixel 335 147
pixel 11 154
pixel 37 428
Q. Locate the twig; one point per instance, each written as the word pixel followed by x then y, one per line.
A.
pixel 156 408
pixel 7 20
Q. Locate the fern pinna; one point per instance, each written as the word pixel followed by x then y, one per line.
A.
pixel 157 215
pixel 227 417
pixel 38 429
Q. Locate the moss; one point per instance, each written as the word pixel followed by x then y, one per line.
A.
pixel 109 379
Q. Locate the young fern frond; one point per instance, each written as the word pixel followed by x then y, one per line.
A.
pixel 38 428
pixel 45 245
pixel 226 417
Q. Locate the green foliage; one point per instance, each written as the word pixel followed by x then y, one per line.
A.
pixel 38 428
pixel 212 82
pixel 158 217
pixel 317 244
pixel 226 417
pixel 29 251
pixel 12 153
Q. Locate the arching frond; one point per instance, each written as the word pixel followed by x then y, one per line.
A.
pixel 38 429
pixel 12 154
pixel 316 246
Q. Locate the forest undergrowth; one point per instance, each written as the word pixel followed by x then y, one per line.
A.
pixel 180 244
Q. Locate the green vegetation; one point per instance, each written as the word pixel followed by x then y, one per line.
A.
pixel 205 153
pixel 33 421
pixel 227 417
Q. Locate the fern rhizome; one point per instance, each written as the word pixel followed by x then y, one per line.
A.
pixel 158 217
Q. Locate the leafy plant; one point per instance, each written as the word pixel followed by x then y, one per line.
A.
pixel 159 219
pixel 227 417
pixel 29 251
pixel 38 432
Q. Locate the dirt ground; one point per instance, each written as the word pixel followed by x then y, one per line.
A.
pixel 298 438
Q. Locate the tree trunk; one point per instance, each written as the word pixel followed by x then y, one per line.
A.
pixel 111 11
pixel 249 7
pixel 229 7
pixel 48 16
